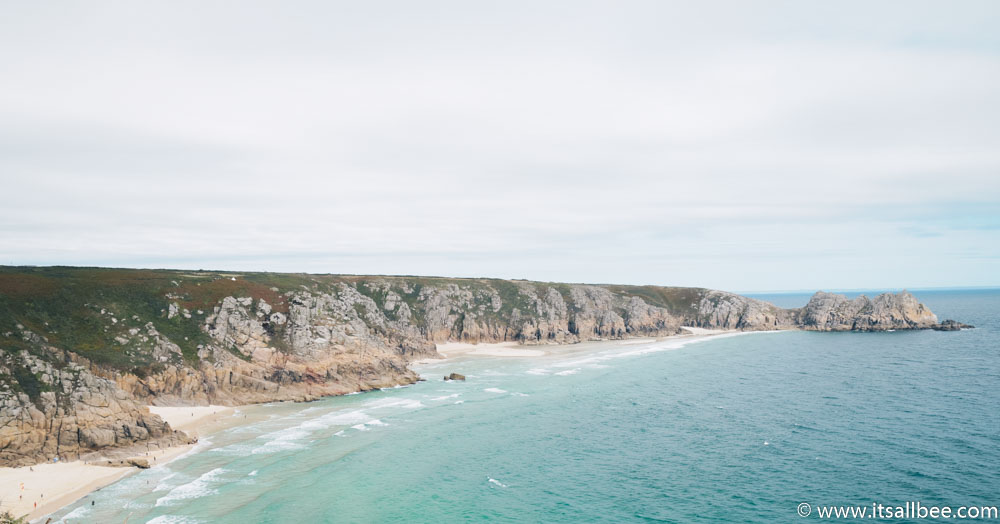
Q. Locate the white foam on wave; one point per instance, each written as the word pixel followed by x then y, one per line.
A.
pixel 495 390
pixel 405 403
pixel 283 440
pixel 135 504
pixel 366 426
pixel 667 345
pixel 172 519
pixel 568 372
pixel 446 397
pixel 520 394
pixel 293 437
pixel 239 448
pixel 460 402
pixel 252 473
pixel 497 482
pixel 538 371
pixel 75 514
pixel 200 487
pixel 163 485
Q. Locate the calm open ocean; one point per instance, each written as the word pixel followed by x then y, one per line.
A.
pixel 733 429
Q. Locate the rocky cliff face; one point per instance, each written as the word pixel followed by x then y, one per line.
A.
pixel 830 312
pixel 84 350
pixel 63 410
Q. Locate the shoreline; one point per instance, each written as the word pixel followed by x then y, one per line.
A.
pixel 452 350
pixel 80 478
pixel 54 486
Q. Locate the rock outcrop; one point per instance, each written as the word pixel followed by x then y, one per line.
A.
pixel 65 411
pixel 831 312
pixel 951 325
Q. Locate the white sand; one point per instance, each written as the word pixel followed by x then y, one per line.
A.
pixel 66 482
pixel 513 349
pixel 703 331
pixel 502 349
pixel 190 419
pixel 53 486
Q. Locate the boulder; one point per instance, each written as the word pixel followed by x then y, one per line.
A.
pixel 951 325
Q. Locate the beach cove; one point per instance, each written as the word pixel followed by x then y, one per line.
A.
pixel 68 482
pixel 698 429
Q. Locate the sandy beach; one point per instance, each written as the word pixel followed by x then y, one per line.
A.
pixel 501 349
pixel 450 350
pixel 192 419
pixel 41 489
pixel 48 487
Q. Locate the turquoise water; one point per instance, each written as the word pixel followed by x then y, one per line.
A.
pixel 737 429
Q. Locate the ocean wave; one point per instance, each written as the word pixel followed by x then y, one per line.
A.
pixel 75 514
pixel 446 397
pixel 495 390
pixel 172 519
pixel 292 438
pixel 406 403
pixel 538 371
pixel 284 440
pixel 239 448
pixel 163 485
pixel 200 487
pixel 366 426
pixel 668 345
pixel 568 372
pixel 496 482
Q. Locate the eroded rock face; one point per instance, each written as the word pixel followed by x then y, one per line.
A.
pixel 721 310
pixel 832 312
pixel 66 412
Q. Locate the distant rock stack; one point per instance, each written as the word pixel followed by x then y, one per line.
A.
pixel 888 311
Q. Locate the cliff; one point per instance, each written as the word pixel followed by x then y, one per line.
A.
pixel 83 349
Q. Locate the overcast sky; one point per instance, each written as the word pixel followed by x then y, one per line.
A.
pixel 736 145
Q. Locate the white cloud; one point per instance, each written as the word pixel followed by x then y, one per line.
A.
pixel 772 145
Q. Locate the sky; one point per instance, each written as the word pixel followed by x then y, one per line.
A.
pixel 748 146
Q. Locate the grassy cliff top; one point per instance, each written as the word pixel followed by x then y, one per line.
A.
pixel 84 309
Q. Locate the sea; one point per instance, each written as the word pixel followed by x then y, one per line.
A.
pixel 752 427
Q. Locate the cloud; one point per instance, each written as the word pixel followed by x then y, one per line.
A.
pixel 773 145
